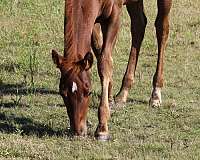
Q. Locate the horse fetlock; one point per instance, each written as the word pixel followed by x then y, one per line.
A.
pixel 121 96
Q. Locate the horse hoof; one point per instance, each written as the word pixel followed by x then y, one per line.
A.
pixel 155 103
pixel 118 99
pixel 120 105
pixel 103 138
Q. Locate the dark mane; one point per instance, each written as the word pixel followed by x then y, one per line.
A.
pixel 68 28
pixel 78 25
pixel 69 25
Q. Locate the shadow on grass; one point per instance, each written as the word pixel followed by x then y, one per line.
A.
pixel 21 89
pixel 12 105
pixel 137 101
pixel 9 67
pixel 13 67
pixel 26 126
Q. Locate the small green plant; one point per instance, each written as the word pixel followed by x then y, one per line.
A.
pixel 32 60
pixel 17 98
pixel 32 72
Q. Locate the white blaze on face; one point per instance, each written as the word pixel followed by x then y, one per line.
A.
pixel 74 87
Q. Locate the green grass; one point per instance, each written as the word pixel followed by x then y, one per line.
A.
pixel 33 119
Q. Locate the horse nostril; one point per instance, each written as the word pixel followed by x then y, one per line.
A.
pixel 63 94
pixel 82 131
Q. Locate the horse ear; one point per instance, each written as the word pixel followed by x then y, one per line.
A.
pixel 87 62
pixel 57 59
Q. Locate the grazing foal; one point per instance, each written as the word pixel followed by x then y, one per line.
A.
pixel 84 20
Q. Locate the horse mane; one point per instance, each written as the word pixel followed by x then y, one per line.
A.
pixel 75 21
pixel 68 27
pixel 70 39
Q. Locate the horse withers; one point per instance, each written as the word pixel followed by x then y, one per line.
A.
pixel 84 21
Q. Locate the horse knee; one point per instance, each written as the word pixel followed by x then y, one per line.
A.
pixel 105 67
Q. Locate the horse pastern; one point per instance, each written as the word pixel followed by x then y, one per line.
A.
pixel 155 103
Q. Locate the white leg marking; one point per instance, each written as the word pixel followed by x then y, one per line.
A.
pixel 124 98
pixel 156 100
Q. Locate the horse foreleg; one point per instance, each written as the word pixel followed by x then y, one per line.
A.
pixel 97 42
pixel 138 24
pixel 162 31
pixel 104 61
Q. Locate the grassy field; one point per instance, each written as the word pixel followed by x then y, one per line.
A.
pixel 33 119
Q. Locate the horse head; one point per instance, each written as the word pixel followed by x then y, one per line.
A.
pixel 75 85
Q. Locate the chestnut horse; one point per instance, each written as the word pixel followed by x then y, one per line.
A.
pixel 84 20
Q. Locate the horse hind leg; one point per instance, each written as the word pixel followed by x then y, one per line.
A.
pixel 162 31
pixel 138 25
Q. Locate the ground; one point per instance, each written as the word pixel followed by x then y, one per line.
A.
pixel 33 119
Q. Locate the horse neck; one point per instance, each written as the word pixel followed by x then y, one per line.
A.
pixel 76 34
